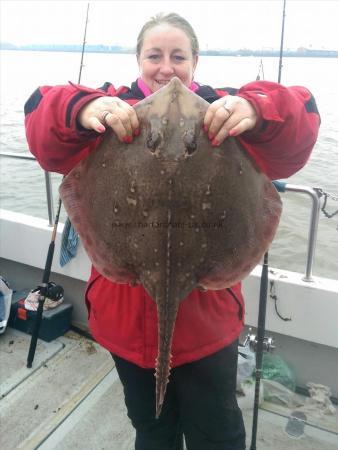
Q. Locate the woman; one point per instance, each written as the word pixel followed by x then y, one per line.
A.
pixel 278 126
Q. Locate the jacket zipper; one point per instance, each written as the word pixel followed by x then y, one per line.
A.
pixel 240 307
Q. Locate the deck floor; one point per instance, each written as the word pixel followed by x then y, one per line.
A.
pixel 73 399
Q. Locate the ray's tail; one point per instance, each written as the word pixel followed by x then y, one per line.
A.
pixel 166 312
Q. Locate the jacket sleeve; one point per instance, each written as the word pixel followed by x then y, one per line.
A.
pixel 53 136
pixel 282 141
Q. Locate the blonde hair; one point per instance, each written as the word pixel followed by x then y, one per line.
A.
pixel 174 20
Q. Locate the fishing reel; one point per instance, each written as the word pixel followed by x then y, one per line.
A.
pixel 51 290
pixel 251 342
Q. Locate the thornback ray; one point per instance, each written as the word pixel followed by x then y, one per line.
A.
pixel 170 211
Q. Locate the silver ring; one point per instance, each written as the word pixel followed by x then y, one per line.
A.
pixel 227 109
pixel 104 115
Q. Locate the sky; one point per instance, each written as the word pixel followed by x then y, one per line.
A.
pixel 223 24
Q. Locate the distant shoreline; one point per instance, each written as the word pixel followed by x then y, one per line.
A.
pixel 299 53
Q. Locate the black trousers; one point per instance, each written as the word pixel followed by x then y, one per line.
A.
pixel 200 403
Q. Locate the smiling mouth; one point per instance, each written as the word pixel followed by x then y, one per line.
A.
pixel 162 82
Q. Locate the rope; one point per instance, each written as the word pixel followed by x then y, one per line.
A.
pixel 274 297
pixel 327 195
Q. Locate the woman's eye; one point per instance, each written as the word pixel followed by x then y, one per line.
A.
pixel 155 57
pixel 179 58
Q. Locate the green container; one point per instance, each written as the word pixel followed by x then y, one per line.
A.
pixel 276 369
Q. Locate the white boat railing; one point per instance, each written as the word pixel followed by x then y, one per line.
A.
pixel 315 211
pixel 281 187
pixel 48 184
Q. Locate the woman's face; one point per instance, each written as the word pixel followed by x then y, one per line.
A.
pixel 166 53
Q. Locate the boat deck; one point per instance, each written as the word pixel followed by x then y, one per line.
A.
pixel 72 399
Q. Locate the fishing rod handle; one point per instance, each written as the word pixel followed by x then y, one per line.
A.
pixel 35 333
pixel 260 344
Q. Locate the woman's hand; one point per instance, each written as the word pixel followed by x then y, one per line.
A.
pixel 229 116
pixel 110 112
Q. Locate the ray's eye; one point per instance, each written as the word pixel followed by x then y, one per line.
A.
pixel 153 140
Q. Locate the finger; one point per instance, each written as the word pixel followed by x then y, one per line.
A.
pixel 225 130
pixel 222 118
pixel 96 125
pixel 220 137
pixel 129 110
pixel 125 120
pixel 135 124
pixel 244 125
pixel 113 121
pixel 210 114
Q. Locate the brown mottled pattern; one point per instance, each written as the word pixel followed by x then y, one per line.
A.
pixel 171 212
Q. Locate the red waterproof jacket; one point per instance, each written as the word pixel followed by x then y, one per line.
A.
pixel 124 319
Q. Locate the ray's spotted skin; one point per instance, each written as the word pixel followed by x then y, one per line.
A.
pixel 170 211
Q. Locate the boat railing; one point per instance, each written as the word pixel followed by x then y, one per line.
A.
pixel 48 184
pixel 280 186
pixel 315 211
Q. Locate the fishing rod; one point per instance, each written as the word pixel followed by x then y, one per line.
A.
pixel 83 46
pixel 261 343
pixel 281 49
pixel 263 292
pixel 281 45
pixel 43 288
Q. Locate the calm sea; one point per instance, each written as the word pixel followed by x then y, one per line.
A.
pixel 22 182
